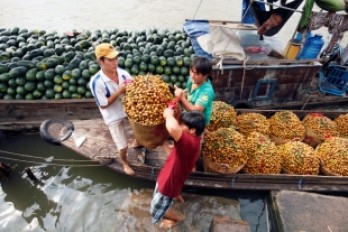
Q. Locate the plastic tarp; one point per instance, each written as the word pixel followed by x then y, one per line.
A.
pixel 205 41
pixel 210 41
pixel 195 29
pixel 224 43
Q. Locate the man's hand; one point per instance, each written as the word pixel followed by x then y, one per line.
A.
pixel 179 93
pixel 122 89
pixel 168 112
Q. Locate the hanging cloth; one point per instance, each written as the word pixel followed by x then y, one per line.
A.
pixel 327 5
pixel 261 16
pixel 306 15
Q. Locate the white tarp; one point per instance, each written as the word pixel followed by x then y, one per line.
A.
pixel 222 42
pixel 230 43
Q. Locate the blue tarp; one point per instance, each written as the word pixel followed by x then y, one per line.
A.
pixel 247 14
pixel 194 29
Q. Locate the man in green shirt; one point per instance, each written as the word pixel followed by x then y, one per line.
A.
pixel 199 93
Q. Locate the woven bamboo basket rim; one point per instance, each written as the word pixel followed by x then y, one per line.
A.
pixel 326 171
pixel 221 168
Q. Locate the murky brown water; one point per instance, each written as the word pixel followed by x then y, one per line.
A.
pixel 96 199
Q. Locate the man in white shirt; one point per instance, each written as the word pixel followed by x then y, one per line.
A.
pixel 108 86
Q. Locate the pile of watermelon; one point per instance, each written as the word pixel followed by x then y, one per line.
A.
pixel 35 64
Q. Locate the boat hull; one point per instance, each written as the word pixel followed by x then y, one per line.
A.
pixel 97 145
pixel 278 86
pixel 258 85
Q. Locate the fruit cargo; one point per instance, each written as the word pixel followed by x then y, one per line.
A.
pixel 91 139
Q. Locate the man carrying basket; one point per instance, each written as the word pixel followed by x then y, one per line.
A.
pixel 108 86
pixel 179 164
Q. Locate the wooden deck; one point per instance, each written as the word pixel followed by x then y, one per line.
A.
pixel 92 140
pixel 29 114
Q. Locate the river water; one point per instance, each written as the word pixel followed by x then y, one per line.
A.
pixel 80 196
pixel 74 197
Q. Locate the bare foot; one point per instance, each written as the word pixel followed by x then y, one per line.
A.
pixel 167 224
pixel 172 216
pixel 128 170
pixel 135 144
pixel 180 199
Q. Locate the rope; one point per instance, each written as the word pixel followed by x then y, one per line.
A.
pixel 35 157
pixel 199 6
pixel 243 77
pixel 279 6
pixel 305 104
pixel 267 218
pixel 46 162
pixel 51 164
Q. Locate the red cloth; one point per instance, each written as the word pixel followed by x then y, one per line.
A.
pixel 179 165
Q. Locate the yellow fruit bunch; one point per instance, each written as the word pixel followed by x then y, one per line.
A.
pixel 318 128
pixel 299 158
pixel 223 116
pixel 286 126
pixel 262 155
pixel 146 98
pixel 333 154
pixel 224 150
pixel 342 125
pixel 252 122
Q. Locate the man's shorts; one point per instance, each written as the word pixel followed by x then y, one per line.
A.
pixel 159 205
pixel 118 133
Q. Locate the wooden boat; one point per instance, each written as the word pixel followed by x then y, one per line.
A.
pixel 272 86
pixel 92 140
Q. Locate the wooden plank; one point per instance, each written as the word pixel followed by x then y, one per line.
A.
pixel 29 114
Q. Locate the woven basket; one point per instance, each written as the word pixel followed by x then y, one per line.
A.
pixel 210 166
pixel 150 136
pixel 326 172
pixel 309 159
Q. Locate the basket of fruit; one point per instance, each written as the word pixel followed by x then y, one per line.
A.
pixel 146 98
pixel 224 151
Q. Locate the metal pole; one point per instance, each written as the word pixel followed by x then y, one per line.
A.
pixel 280 6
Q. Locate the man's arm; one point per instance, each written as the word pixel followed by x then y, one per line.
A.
pixel 113 97
pixel 189 106
pixel 172 124
pixel 180 94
